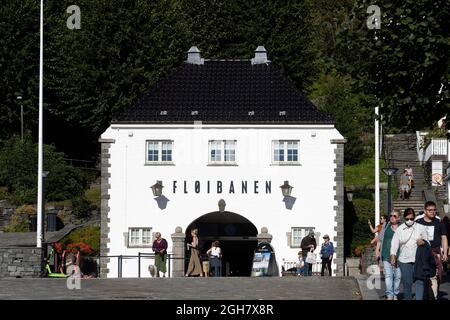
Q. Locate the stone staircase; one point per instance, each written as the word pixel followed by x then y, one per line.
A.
pixel 399 151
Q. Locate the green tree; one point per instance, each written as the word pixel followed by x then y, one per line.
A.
pixel 406 64
pixel 18 172
pixel 334 94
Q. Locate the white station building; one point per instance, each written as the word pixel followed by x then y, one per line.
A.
pixel 221 137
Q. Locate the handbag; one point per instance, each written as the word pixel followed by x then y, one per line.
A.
pixel 311 257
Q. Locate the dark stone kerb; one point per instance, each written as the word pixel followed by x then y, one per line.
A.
pixel 104 208
pixel 339 209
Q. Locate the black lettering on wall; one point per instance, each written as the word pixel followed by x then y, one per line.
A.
pixel 208 186
pixel 268 186
pixel 256 187
pixel 231 187
pixel 219 186
pixel 185 186
pixel 197 186
pixel 244 186
pixel 174 185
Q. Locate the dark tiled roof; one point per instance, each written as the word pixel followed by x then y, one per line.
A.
pixel 224 91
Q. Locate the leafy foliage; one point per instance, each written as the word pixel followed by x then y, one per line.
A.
pixel 89 235
pixel 406 63
pixel 18 167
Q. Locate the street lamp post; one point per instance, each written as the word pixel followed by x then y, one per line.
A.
pixel 389 172
pixel 19 98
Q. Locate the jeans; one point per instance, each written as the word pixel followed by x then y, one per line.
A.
pixel 419 289
pixel 307 269
pixel 392 277
pixel 407 270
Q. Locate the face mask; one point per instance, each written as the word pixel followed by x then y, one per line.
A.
pixel 409 223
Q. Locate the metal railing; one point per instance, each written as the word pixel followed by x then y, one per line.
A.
pixel 316 268
pixel 140 256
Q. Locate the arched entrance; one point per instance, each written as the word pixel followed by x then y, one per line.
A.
pixel 237 236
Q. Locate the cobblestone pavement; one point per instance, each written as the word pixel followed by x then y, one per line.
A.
pixel 289 288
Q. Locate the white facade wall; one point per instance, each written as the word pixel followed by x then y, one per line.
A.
pixel 132 203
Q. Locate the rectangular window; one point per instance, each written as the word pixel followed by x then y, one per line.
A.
pixel 292 151
pixel 140 237
pixel 167 151
pixel 230 151
pixel 216 151
pixel 159 152
pixel 146 236
pixel 297 234
pixel 285 151
pixel 134 237
pixel 217 148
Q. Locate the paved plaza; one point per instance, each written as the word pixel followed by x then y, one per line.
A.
pixel 284 288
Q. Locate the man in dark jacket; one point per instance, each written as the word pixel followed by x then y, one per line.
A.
pixel 308 243
pixel 424 269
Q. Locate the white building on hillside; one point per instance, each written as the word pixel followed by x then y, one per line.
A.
pixel 232 130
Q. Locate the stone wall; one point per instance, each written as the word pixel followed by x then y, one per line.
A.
pixel 64 213
pixel 339 208
pixel 21 262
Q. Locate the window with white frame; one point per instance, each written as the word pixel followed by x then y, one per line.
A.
pixel 159 151
pixel 139 237
pixel 222 151
pixel 285 151
pixel 297 234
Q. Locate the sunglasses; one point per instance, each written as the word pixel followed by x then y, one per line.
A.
pixel 393 215
pixel 409 219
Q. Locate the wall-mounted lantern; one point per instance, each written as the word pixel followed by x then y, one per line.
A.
pixel 286 189
pixel 157 188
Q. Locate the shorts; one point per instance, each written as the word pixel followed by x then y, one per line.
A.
pixel 205 266
pixel 405 187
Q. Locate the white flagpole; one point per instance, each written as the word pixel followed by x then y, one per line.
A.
pixel 377 168
pixel 39 235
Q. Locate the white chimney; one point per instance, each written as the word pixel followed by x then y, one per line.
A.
pixel 260 55
pixel 194 56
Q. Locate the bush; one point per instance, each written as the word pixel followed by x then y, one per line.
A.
pixel 80 207
pixel 20 220
pixel 364 209
pixel 89 235
pixel 18 172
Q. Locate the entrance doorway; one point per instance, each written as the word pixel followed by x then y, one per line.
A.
pixel 237 237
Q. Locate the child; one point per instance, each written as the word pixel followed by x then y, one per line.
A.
pixel 300 264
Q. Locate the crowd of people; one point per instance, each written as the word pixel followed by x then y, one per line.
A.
pixel 412 253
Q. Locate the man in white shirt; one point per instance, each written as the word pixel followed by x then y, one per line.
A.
pixel 403 251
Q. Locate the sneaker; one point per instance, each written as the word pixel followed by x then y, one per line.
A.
pixel 389 298
pixel 395 298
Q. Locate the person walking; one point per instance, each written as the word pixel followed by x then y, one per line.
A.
pixel 405 185
pixel 437 236
pixel 160 249
pixel 326 253
pixel 410 174
pixel 392 273
pixel 405 242
pixel 194 267
pixel 308 244
pixel 215 258
pixel 377 229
